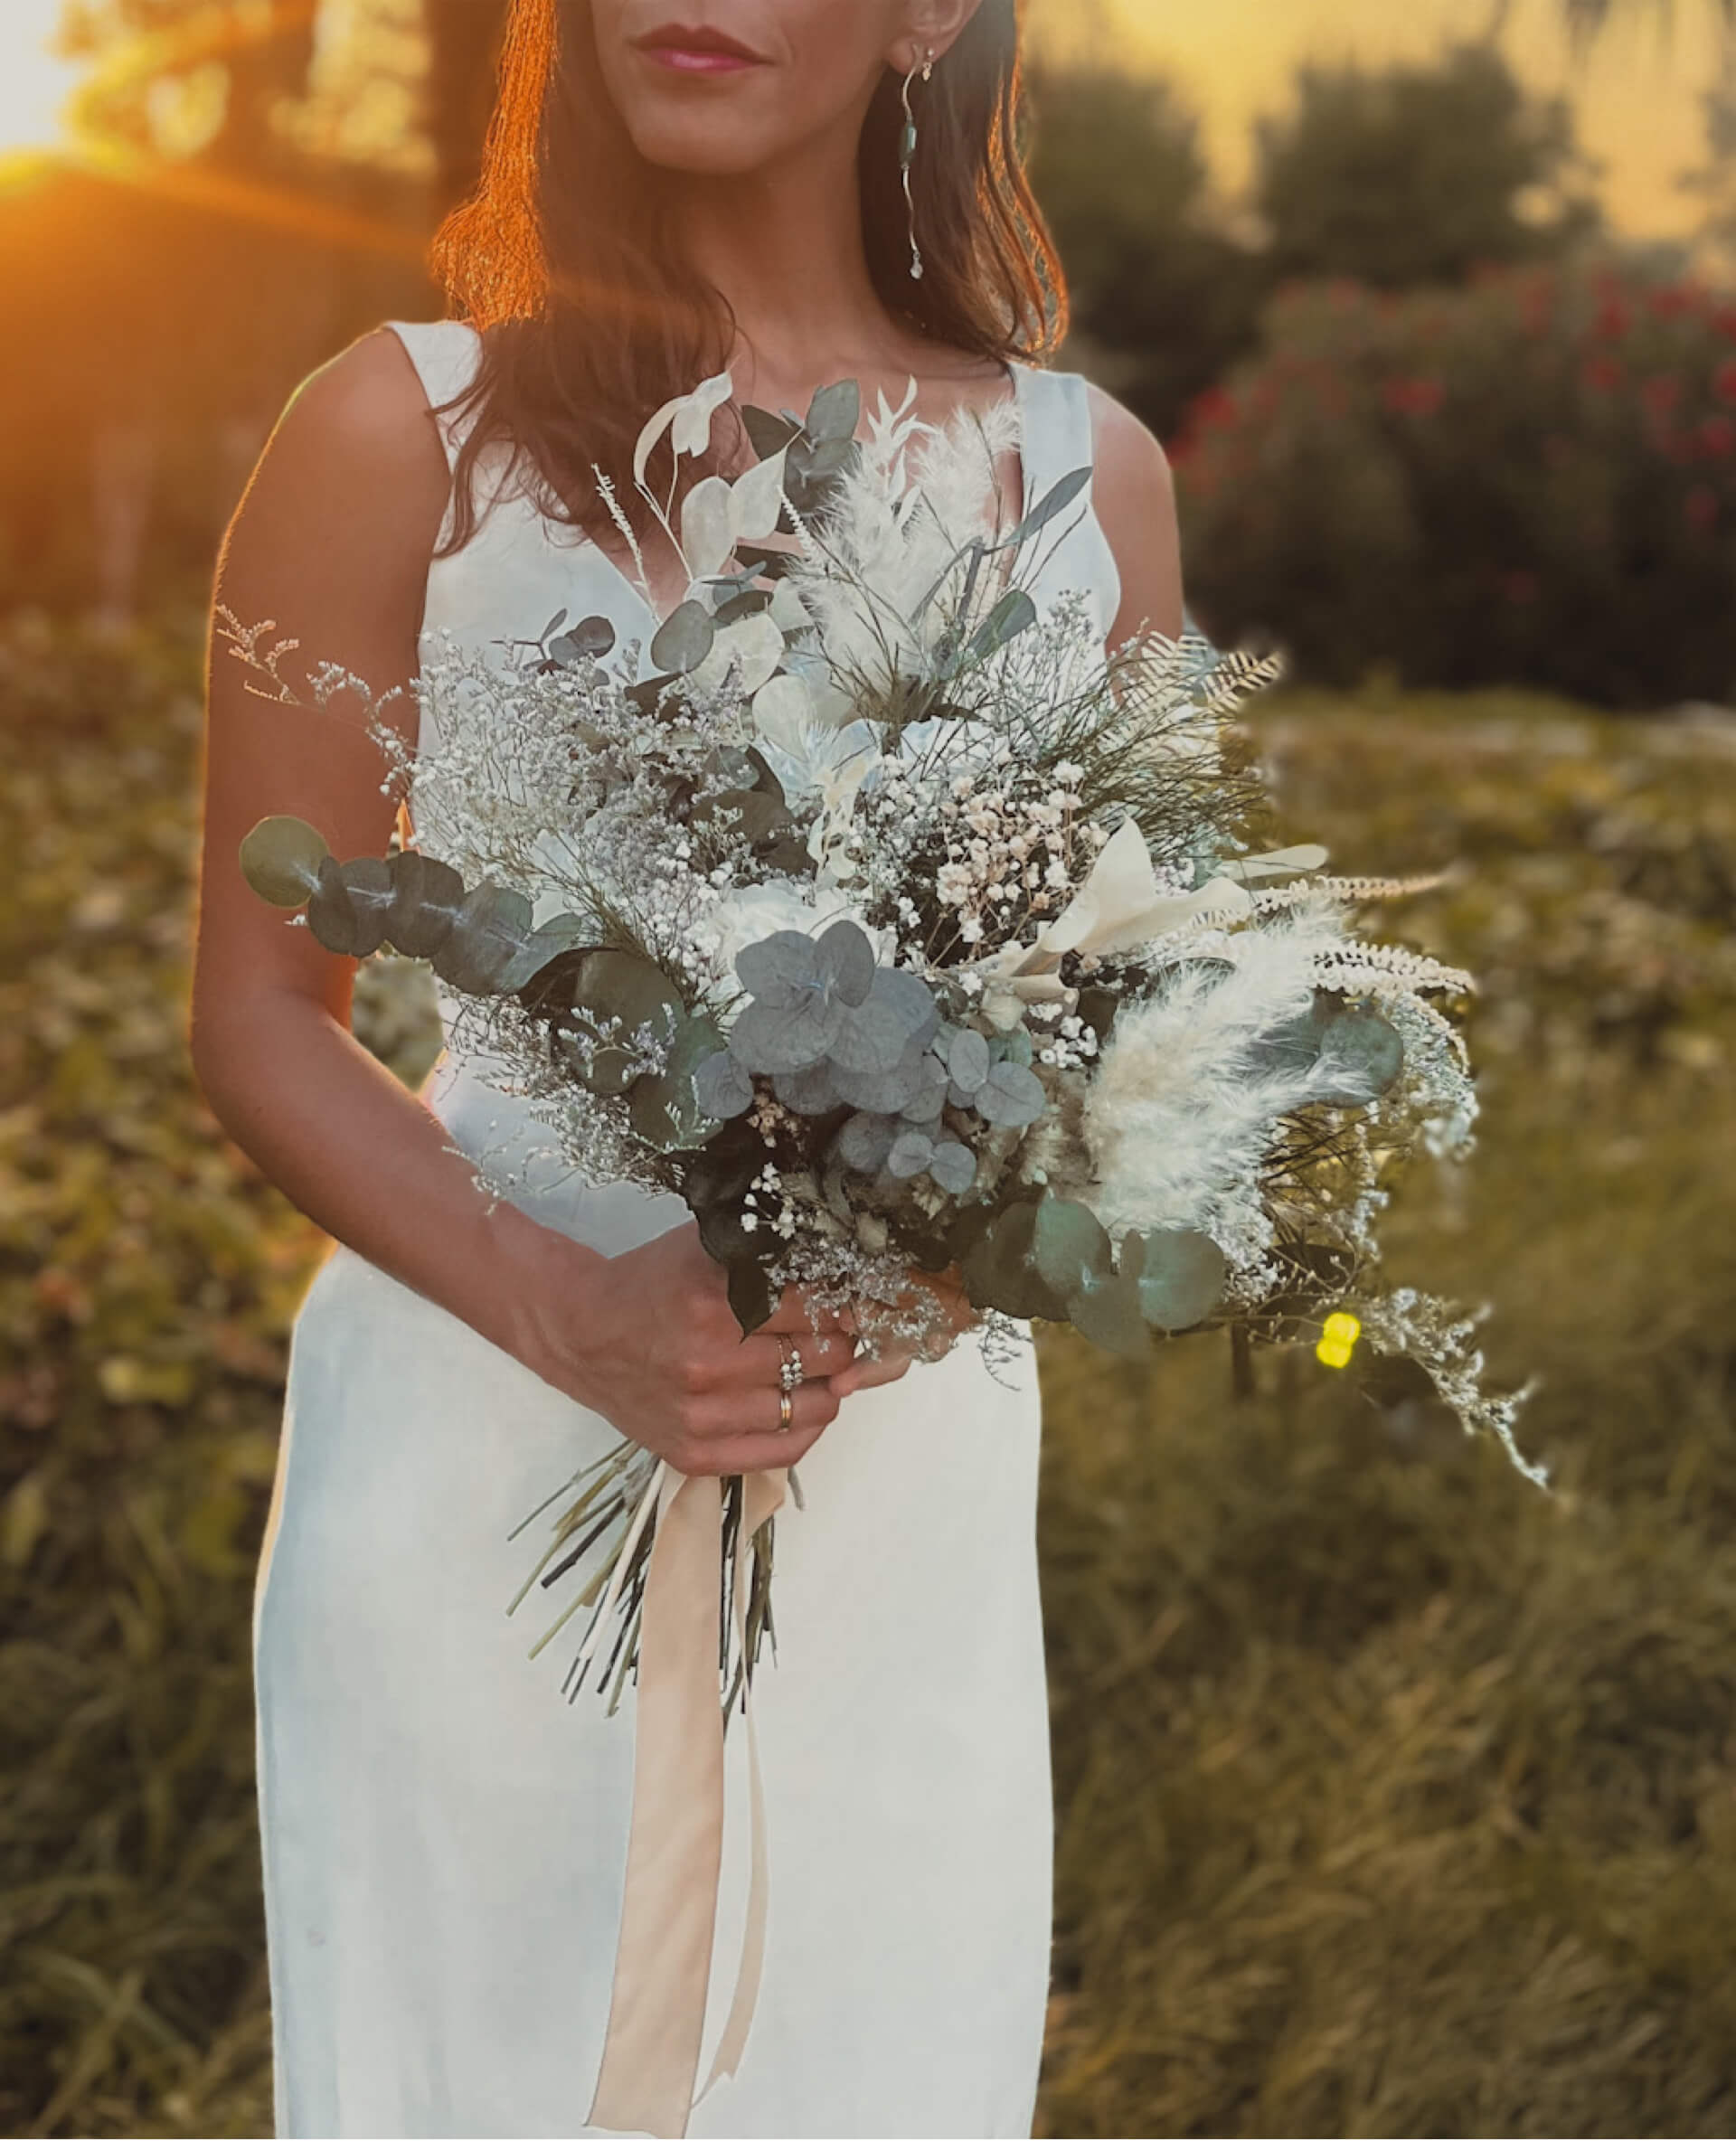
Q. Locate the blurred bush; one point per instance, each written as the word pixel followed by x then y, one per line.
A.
pixel 1529 481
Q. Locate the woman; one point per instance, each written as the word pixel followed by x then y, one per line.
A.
pixel 672 187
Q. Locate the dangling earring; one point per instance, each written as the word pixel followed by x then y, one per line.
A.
pixel 906 156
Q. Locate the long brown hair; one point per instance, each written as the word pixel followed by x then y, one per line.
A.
pixel 590 318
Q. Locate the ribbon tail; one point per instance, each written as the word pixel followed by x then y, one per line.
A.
pixel 763 1495
pixel 674 1851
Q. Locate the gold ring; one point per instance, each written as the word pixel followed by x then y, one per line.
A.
pixel 786 1412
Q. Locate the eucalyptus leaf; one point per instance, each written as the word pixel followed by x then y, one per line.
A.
pixel 493 925
pixel 1360 1058
pixel 865 1141
pixel 1070 1247
pixel 767 1039
pixel 968 1062
pixel 999 1270
pixel 1011 1097
pixel 1181 1276
pixel 665 1106
pixel 953 1167
pixel 872 1037
pixel 911 1154
pixel 909 997
pixel 1055 500
pixel 810 1091
pixel 835 412
pixel 721 1087
pixel 333 918
pixel 769 435
pixel 280 859
pixel 927 1096
pixel 427 895
pixel 615 994
pixel 1107 1312
pixel 369 881
pixel 684 640
pixel 844 959
pixel 782 971
pixel 882 1092
pixel 560 936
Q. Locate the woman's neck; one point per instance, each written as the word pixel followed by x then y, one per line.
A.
pixel 783 247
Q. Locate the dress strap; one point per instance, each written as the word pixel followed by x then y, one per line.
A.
pixel 445 354
pixel 1057 439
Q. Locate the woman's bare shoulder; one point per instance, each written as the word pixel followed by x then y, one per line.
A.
pixel 363 419
pixel 1134 491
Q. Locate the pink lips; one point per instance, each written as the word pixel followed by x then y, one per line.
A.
pixel 697 52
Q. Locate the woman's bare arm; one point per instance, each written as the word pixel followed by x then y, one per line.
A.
pixel 1135 501
pixel 333 541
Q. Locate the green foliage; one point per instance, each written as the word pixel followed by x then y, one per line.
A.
pixel 1418 173
pixel 1394 1796
pixel 1164 294
pixel 1531 479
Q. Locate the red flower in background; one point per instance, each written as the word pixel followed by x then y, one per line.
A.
pixel 1718 438
pixel 1723 380
pixel 1413 397
pixel 1701 506
pixel 1662 394
pixel 1603 374
pixel 1614 319
pixel 1216 409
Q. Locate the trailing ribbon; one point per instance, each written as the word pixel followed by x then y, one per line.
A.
pixel 675 1854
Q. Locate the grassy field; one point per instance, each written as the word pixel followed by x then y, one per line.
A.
pixel 1395 1796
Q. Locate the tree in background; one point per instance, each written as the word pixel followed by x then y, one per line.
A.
pixel 1164 297
pixel 1416 175
pixel 464 40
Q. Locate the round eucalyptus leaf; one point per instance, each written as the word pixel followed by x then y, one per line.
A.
pixel 810 1091
pixel 1107 1312
pixel 1360 1058
pixel 332 916
pixel 721 1087
pixel 564 933
pixel 846 959
pixel 930 1094
pixel 1011 1097
pixel 866 1140
pixel 427 895
pixel 872 1037
pixel 1291 1050
pixel 1000 1272
pixel 491 928
pixel 1180 1274
pixel 953 1167
pixel 882 1092
pixel 780 971
pixel 1015 1047
pixel 280 859
pixel 910 996
pixel 911 1152
pixel 684 640
pixel 968 1062
pixel 1070 1247
pixel 368 880
pixel 767 1040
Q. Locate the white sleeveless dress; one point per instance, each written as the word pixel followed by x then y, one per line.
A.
pixel 444 1837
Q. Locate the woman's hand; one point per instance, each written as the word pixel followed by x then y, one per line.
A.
pixel 955 1316
pixel 648 1339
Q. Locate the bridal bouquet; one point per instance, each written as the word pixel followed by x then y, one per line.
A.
pixel 900 930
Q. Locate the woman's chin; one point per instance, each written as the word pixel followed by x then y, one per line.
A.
pixel 696 148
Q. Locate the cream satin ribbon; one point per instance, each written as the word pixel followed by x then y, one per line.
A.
pixel 675 1855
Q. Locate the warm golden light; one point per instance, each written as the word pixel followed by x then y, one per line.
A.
pixel 33 83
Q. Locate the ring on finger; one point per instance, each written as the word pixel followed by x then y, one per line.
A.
pixel 786 1412
pixel 791 1374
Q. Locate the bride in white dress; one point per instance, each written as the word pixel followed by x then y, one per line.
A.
pixel 673 185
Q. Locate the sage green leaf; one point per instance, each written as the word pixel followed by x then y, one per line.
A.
pixel 1360 1058
pixel 810 1091
pixel 1107 1312
pixel 1016 612
pixel 953 1167
pixel 1070 1247
pixel 722 1087
pixel 1055 500
pixel 280 859
pixel 780 970
pixel 427 895
pixel 872 1038
pixel 684 640
pixel 767 1040
pixel 1180 1275
pixel 1011 1097
pixel 332 916
pixel 865 1141
pixel 968 1062
pixel 769 434
pixel 882 1092
pixel 912 1150
pixel 844 958
pixel 1000 1271
pixel 487 933
pixel 929 1096
pixel 835 412
pixel 589 639
pixel 369 881
pixel 616 994
pixel 563 933
pixel 665 1106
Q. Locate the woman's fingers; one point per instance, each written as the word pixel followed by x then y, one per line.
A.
pixel 866 1373
pixel 758 1362
pixel 746 1436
